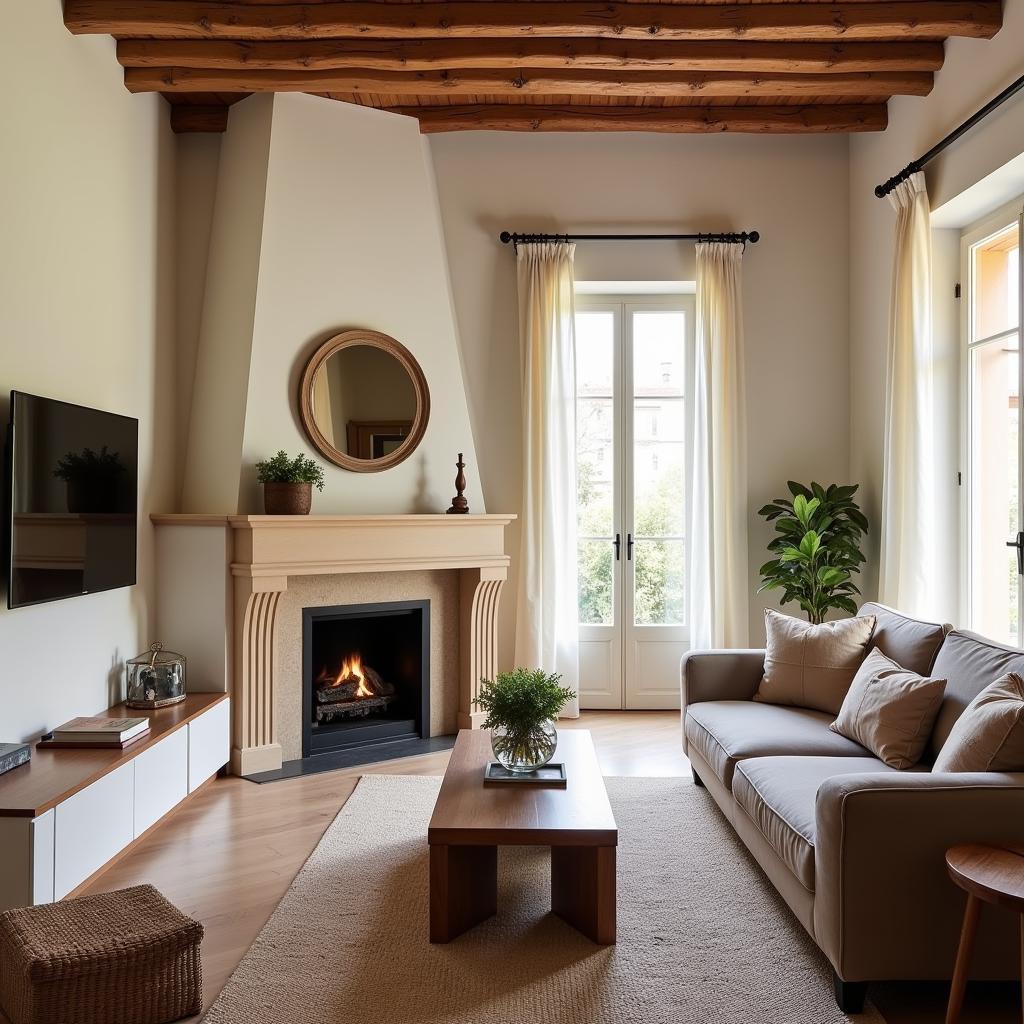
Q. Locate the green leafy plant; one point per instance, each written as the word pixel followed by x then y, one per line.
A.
pixel 817 548
pixel 283 470
pixel 87 465
pixel 520 702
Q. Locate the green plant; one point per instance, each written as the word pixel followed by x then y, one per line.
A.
pixel 103 465
pixel 817 548
pixel 283 470
pixel 519 702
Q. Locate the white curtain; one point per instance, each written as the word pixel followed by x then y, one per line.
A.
pixel 717 580
pixel 908 499
pixel 546 607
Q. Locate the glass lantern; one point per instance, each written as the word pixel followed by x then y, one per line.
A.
pixel 156 678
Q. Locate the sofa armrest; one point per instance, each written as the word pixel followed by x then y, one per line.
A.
pixel 884 906
pixel 720 675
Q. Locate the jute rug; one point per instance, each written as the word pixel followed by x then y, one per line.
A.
pixel 703 937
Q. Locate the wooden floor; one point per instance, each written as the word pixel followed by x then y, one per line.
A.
pixel 229 854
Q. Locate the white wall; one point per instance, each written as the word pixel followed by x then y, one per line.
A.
pixel 86 315
pixel 347 235
pixel 974 71
pixel 793 190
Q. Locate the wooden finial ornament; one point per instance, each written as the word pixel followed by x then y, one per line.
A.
pixel 460 504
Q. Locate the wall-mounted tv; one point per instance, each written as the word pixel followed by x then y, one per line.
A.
pixel 72 488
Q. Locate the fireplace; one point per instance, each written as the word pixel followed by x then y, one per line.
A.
pixel 366 675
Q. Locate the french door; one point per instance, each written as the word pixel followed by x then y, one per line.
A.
pixel 994 543
pixel 632 364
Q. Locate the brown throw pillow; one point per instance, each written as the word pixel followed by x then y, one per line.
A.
pixel 989 735
pixel 810 666
pixel 890 710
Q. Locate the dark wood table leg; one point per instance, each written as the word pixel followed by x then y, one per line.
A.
pixel 583 889
pixel 963 959
pixel 463 889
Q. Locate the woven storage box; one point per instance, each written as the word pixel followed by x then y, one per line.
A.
pixel 127 957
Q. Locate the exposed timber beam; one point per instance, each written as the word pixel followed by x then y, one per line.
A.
pixel 591 55
pixel 908 19
pixel 530 82
pixel 761 120
pixel 187 117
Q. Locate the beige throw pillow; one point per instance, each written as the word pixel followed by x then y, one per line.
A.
pixel 989 735
pixel 890 710
pixel 810 666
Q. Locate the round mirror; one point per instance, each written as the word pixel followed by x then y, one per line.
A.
pixel 364 401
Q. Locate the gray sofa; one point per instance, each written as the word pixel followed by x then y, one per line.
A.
pixel 854 847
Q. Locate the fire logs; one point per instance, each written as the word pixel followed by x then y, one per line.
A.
pixel 353 692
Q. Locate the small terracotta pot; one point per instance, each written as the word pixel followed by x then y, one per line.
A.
pixel 287 499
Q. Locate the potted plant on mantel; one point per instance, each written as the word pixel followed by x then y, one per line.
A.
pixel 816 550
pixel 521 708
pixel 288 484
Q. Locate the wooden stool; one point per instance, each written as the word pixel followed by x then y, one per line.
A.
pixel 992 875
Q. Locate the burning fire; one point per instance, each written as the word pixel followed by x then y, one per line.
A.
pixel 351 671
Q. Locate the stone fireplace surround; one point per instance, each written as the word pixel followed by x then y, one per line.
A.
pixel 274 566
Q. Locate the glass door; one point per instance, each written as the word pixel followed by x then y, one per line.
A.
pixel 994 541
pixel 631 370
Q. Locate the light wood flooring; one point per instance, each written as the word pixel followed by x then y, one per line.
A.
pixel 229 854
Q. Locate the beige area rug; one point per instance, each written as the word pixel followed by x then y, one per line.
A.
pixel 703 938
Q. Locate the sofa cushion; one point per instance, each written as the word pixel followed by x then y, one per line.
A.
pixel 890 710
pixel 912 643
pixel 809 665
pixel 989 735
pixel 778 795
pixel 726 731
pixel 968 662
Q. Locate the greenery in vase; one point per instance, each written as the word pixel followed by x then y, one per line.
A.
pixel 519 703
pixel 817 548
pixel 283 470
pixel 103 465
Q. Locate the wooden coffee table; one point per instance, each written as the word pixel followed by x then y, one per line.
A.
pixel 471 821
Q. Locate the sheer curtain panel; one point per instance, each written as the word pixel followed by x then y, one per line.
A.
pixel 546 608
pixel 908 499
pixel 716 568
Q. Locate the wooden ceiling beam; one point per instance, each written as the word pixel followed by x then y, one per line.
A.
pixel 590 55
pixel 206 117
pixel 531 82
pixel 908 19
pixel 753 119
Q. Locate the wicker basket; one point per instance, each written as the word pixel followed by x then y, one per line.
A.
pixel 126 957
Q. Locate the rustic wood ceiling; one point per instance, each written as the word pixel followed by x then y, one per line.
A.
pixel 545 65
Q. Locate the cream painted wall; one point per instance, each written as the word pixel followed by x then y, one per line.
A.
pixel 347 235
pixel 793 190
pixel 86 315
pixel 974 71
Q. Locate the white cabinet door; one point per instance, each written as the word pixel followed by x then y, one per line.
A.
pixel 91 827
pixel 161 779
pixel 209 744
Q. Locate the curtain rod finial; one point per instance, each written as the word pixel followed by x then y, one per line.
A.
pixel 754 236
pixel 506 237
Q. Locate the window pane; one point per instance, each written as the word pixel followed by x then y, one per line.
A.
pixel 996 284
pixel 994 500
pixel 658 595
pixel 659 431
pixel 595 462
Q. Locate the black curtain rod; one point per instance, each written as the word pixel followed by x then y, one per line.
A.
pixel 727 236
pixel 1011 90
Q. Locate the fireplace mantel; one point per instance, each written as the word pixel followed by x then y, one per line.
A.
pixel 262 552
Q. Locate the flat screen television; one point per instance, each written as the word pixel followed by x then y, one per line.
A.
pixel 72 488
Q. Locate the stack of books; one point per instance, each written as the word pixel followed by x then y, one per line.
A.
pixel 99 732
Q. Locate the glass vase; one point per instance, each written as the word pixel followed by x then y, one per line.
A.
pixel 524 750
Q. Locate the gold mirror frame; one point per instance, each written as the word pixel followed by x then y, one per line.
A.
pixel 350 339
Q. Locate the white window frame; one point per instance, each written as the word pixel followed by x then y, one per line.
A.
pixel 973 235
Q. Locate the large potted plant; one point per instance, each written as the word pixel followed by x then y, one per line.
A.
pixel 521 708
pixel 816 548
pixel 288 484
pixel 92 479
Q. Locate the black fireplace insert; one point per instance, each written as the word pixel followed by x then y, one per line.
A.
pixel 366 675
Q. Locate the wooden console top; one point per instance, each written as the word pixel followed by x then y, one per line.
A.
pixel 53 775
